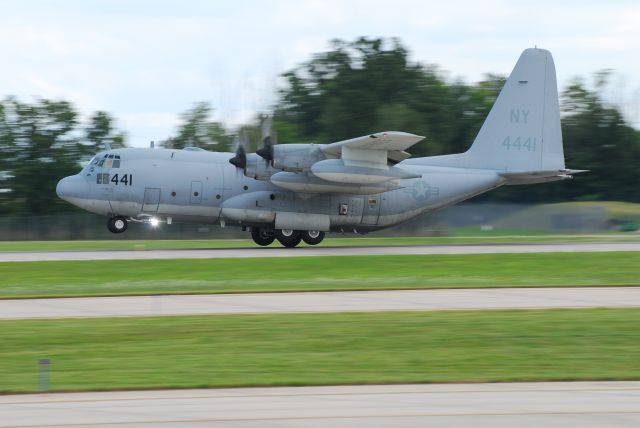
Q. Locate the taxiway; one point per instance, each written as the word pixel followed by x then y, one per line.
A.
pixel 25 256
pixel 560 404
pixel 343 301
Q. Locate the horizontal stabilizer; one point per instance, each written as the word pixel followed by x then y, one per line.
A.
pixel 530 177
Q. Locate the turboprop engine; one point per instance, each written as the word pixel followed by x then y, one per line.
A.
pixel 292 157
pixel 350 166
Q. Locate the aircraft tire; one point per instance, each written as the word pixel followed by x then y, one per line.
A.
pixel 262 237
pixel 288 238
pixel 312 237
pixel 117 224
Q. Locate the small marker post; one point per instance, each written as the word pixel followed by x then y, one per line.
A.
pixel 44 365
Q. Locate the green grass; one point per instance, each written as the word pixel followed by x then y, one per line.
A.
pixel 542 217
pixel 131 277
pixel 217 351
pixel 467 236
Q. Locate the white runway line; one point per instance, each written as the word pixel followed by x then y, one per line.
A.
pixel 561 404
pixel 314 302
pixel 317 251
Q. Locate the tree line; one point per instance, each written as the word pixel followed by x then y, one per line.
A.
pixel 354 88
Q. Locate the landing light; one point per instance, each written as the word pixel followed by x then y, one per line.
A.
pixel 154 221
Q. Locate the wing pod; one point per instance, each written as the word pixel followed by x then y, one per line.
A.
pixel 306 183
pixel 337 170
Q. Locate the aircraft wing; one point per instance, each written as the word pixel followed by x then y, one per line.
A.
pixel 393 142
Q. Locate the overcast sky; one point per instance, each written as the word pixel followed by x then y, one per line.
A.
pixel 147 61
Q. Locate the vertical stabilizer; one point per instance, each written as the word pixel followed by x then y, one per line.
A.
pixel 522 131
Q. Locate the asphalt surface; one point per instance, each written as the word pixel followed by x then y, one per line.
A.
pixel 317 251
pixel 561 404
pixel 344 301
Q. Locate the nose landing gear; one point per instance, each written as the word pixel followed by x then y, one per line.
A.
pixel 117 224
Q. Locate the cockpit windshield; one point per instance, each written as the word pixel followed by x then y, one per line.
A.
pixel 102 162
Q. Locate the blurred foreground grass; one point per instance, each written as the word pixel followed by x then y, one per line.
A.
pixel 216 351
pixel 186 276
pixel 466 236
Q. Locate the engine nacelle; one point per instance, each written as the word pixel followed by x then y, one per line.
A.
pixel 296 157
pixel 258 168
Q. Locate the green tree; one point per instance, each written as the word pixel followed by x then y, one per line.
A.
pixel 199 130
pixel 371 85
pixel 39 147
pixel 101 132
pixel 42 142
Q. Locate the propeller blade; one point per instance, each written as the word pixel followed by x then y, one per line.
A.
pixel 265 125
pixel 266 151
pixel 240 159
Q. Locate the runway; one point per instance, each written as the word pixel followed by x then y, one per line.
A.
pixel 561 404
pixel 316 251
pixel 344 301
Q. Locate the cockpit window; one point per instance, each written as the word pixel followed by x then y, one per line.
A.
pixel 108 161
pixel 102 178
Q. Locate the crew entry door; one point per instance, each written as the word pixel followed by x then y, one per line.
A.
pixel 371 210
pixel 151 200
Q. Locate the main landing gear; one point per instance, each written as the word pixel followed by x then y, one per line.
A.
pixel 262 237
pixel 287 237
pixel 117 224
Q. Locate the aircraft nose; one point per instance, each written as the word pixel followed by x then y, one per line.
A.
pixel 73 186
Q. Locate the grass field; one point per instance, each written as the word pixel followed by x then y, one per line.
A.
pixel 131 277
pixel 467 237
pixel 215 351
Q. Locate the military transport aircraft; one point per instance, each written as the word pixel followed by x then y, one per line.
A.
pixel 294 192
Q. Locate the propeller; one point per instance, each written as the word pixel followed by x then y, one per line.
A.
pixel 240 159
pixel 266 151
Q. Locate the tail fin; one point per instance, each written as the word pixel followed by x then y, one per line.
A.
pixel 522 132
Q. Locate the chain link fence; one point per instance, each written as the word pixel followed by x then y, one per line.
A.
pixel 501 218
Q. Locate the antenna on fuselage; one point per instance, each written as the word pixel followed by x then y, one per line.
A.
pixel 107 146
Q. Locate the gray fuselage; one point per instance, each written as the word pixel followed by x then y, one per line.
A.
pixel 203 187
